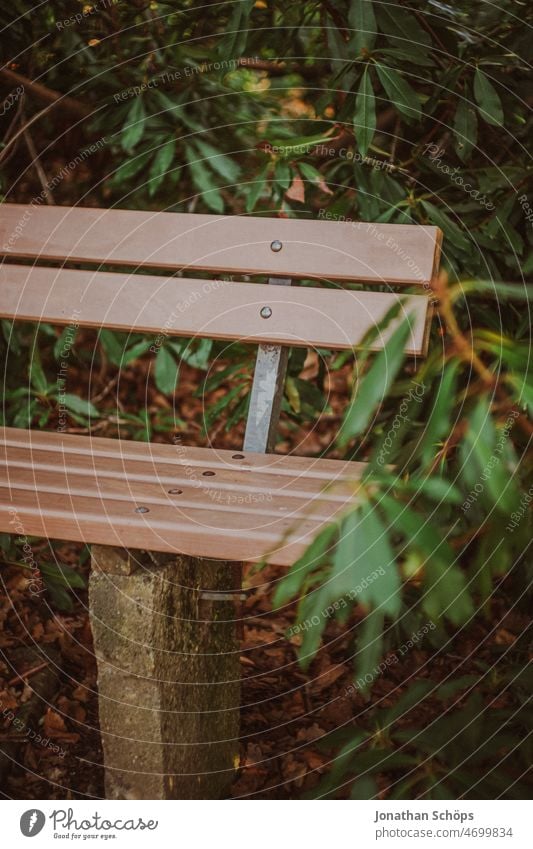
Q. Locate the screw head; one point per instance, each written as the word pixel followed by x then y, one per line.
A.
pixel 276 246
pixel 175 491
pixel 142 510
pixel 266 312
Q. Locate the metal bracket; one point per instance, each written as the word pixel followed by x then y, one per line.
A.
pixel 228 595
pixel 267 389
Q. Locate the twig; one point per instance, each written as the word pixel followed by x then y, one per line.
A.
pixel 280 69
pixel 38 167
pixel 24 675
pixel 105 391
pixel 463 347
pixel 395 137
pixel 11 129
pixel 45 94
pixel 12 141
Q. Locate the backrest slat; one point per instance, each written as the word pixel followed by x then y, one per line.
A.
pixel 334 250
pixel 170 306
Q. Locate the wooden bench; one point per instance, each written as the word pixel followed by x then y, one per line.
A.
pixel 170 524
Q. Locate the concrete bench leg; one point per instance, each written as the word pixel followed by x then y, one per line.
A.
pixel 168 673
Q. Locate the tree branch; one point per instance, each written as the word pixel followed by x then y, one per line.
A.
pixel 45 94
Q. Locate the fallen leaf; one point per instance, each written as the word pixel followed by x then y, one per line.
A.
pixel 296 190
pixel 53 724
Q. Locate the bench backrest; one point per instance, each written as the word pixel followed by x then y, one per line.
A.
pixel 280 249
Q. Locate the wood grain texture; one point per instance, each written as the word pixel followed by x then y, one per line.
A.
pixel 168 676
pixel 246 508
pixel 334 250
pixel 300 316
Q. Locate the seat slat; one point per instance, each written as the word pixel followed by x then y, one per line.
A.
pixel 161 458
pixel 226 484
pixel 300 316
pixel 335 250
pixel 85 502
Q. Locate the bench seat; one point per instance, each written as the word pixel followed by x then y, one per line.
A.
pixel 231 505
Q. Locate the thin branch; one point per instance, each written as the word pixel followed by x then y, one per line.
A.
pixel 280 69
pixel 38 167
pixel 45 94
pixel 20 132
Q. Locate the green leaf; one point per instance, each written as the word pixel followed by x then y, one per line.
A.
pixel 361 18
pixel 369 649
pixel 214 411
pixel 488 99
pixel 523 389
pixel 411 55
pixel 465 127
pixel 375 384
pixel 219 162
pixel 59 596
pixel 80 406
pixel 255 189
pixel 448 227
pixel 364 788
pixel 216 379
pixel 160 165
pixel 338 48
pixel 62 574
pixel 451 688
pixel 400 93
pixel 134 125
pixel 292 394
pixel 416 530
pixel 166 371
pixel 65 342
pixel 414 694
pixel 401 26
pixel 282 174
pixel 136 351
pixel 129 169
pixel 197 352
pixel 314 176
pixel 233 43
pixel 365 113
pixel 239 413
pixel 296 146
pixel 311 559
pixel 204 182
pixel 111 345
pixel 488 460
pixel 364 562
pixel 437 489
pixel 446 593
pixel 437 425
pixel 37 376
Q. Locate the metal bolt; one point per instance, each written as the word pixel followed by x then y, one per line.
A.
pixel 208 474
pixel 238 456
pixel 175 491
pixel 266 312
pixel 142 510
pixel 276 246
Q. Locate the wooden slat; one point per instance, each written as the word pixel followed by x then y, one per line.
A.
pixel 169 458
pixel 335 250
pixel 88 489
pixel 323 318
